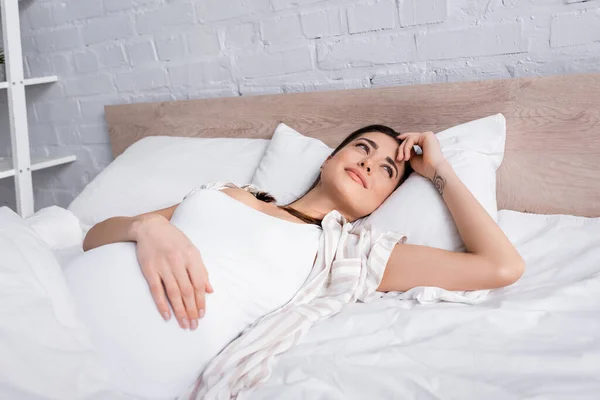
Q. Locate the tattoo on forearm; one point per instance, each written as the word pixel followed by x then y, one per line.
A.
pixel 439 182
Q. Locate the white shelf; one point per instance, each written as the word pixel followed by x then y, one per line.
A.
pixel 41 80
pixel 33 81
pixel 16 95
pixel 37 163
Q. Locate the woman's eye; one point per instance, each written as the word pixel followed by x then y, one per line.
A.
pixel 389 170
pixel 364 146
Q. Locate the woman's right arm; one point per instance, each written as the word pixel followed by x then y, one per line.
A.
pixel 169 261
pixel 122 229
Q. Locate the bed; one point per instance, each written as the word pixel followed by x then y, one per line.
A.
pixel 539 338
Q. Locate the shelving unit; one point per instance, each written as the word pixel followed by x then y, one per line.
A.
pixel 7 170
pixel 33 81
pixel 21 164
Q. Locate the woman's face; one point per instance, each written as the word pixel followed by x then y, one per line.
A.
pixel 363 173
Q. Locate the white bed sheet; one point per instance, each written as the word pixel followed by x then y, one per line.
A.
pixel 537 339
pixel 64 256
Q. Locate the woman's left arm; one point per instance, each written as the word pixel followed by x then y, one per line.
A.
pixel 491 260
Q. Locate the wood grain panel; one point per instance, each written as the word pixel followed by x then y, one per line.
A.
pixel 552 156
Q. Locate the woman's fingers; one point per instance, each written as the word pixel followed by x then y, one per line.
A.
pixel 409 146
pixel 209 288
pixel 409 140
pixel 413 152
pixel 400 155
pixel 188 296
pixel 406 134
pixel 176 300
pixel 199 279
pixel 158 294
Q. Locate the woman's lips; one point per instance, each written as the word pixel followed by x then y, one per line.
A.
pixel 355 177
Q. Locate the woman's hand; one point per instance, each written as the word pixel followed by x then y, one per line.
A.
pixel 169 258
pixel 427 163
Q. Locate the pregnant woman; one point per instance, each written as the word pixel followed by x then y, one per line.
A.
pixel 225 256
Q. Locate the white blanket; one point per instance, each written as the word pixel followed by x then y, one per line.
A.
pixel 536 339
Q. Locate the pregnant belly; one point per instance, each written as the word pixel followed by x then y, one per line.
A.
pixel 149 356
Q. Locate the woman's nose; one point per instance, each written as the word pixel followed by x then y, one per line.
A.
pixel 362 164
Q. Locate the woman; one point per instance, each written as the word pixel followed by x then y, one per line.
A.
pixel 355 180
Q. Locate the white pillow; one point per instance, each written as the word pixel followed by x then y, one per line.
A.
pixel 45 349
pixel 290 164
pixel 157 171
pixel 475 151
pixel 59 227
pixel 24 252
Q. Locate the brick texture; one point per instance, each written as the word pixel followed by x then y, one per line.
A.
pixel 421 12
pixel 574 29
pixel 322 23
pixel 478 41
pixel 371 17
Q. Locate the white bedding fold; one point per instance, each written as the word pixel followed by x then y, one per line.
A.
pixel 59 227
pixel 428 295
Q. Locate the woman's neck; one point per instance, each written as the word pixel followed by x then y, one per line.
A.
pixel 316 204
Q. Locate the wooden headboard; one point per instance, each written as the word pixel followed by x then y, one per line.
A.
pixel 552 159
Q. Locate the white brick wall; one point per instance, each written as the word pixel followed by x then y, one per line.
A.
pixel 108 28
pixel 572 29
pixel 372 17
pixel 281 29
pixel 126 51
pixel 141 52
pixel 322 23
pixel 167 16
pixel 474 42
pixel 171 47
pixel 275 63
pixel 373 50
pixel 421 12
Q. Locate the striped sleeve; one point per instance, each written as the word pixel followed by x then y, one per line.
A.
pixel 374 248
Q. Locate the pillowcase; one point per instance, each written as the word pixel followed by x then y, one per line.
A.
pixel 45 349
pixel 475 151
pixel 27 257
pixel 157 171
pixel 58 227
pixel 290 164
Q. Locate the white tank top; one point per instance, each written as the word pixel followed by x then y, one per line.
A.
pixel 256 263
pixel 260 259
